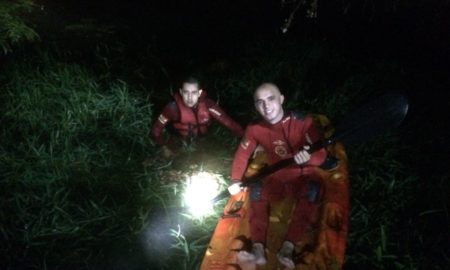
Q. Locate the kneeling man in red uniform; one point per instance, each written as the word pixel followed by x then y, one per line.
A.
pixel 282 135
pixel 190 114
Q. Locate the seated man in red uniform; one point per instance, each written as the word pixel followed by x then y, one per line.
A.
pixel 282 135
pixel 190 114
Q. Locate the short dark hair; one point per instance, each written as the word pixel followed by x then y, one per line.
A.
pixel 191 80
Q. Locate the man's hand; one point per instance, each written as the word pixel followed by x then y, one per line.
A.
pixel 302 156
pixel 235 188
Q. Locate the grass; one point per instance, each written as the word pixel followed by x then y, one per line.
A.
pixel 15 29
pixel 62 187
pixel 75 192
pixel 381 191
pixel 76 195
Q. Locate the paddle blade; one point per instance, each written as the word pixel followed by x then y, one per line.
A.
pixel 372 119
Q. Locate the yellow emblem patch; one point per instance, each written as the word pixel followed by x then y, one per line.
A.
pixel 280 150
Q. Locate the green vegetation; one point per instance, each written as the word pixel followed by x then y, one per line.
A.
pixel 75 191
pixel 14 28
pixel 77 194
pixel 68 157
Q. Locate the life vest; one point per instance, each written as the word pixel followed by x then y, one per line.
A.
pixel 192 123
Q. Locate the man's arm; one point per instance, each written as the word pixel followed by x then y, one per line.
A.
pixel 217 113
pixel 242 155
pixel 311 135
pixel 169 114
pixel 240 161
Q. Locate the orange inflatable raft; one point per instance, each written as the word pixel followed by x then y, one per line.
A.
pixel 323 247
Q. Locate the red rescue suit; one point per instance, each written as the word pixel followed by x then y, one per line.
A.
pixel 192 122
pixel 281 141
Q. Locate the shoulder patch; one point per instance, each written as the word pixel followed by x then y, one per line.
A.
pixel 286 119
pixel 162 119
pixel 245 143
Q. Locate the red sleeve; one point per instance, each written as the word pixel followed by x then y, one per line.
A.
pixel 169 114
pixel 312 135
pixel 242 155
pixel 217 113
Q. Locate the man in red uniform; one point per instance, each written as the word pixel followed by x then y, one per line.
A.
pixel 190 114
pixel 282 135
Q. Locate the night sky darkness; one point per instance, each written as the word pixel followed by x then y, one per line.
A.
pixel 194 35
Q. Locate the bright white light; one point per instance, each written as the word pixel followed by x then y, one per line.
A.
pixel 201 188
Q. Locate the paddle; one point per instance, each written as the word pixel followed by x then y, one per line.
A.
pixel 369 121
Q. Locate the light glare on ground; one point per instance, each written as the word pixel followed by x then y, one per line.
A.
pixel 201 188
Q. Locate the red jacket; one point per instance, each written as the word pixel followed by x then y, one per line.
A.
pixel 192 121
pixel 280 141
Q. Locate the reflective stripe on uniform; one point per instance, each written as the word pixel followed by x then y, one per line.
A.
pixel 162 119
pixel 308 139
pixel 245 143
pixel 214 111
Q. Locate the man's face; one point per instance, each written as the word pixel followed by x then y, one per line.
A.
pixel 268 102
pixel 190 94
